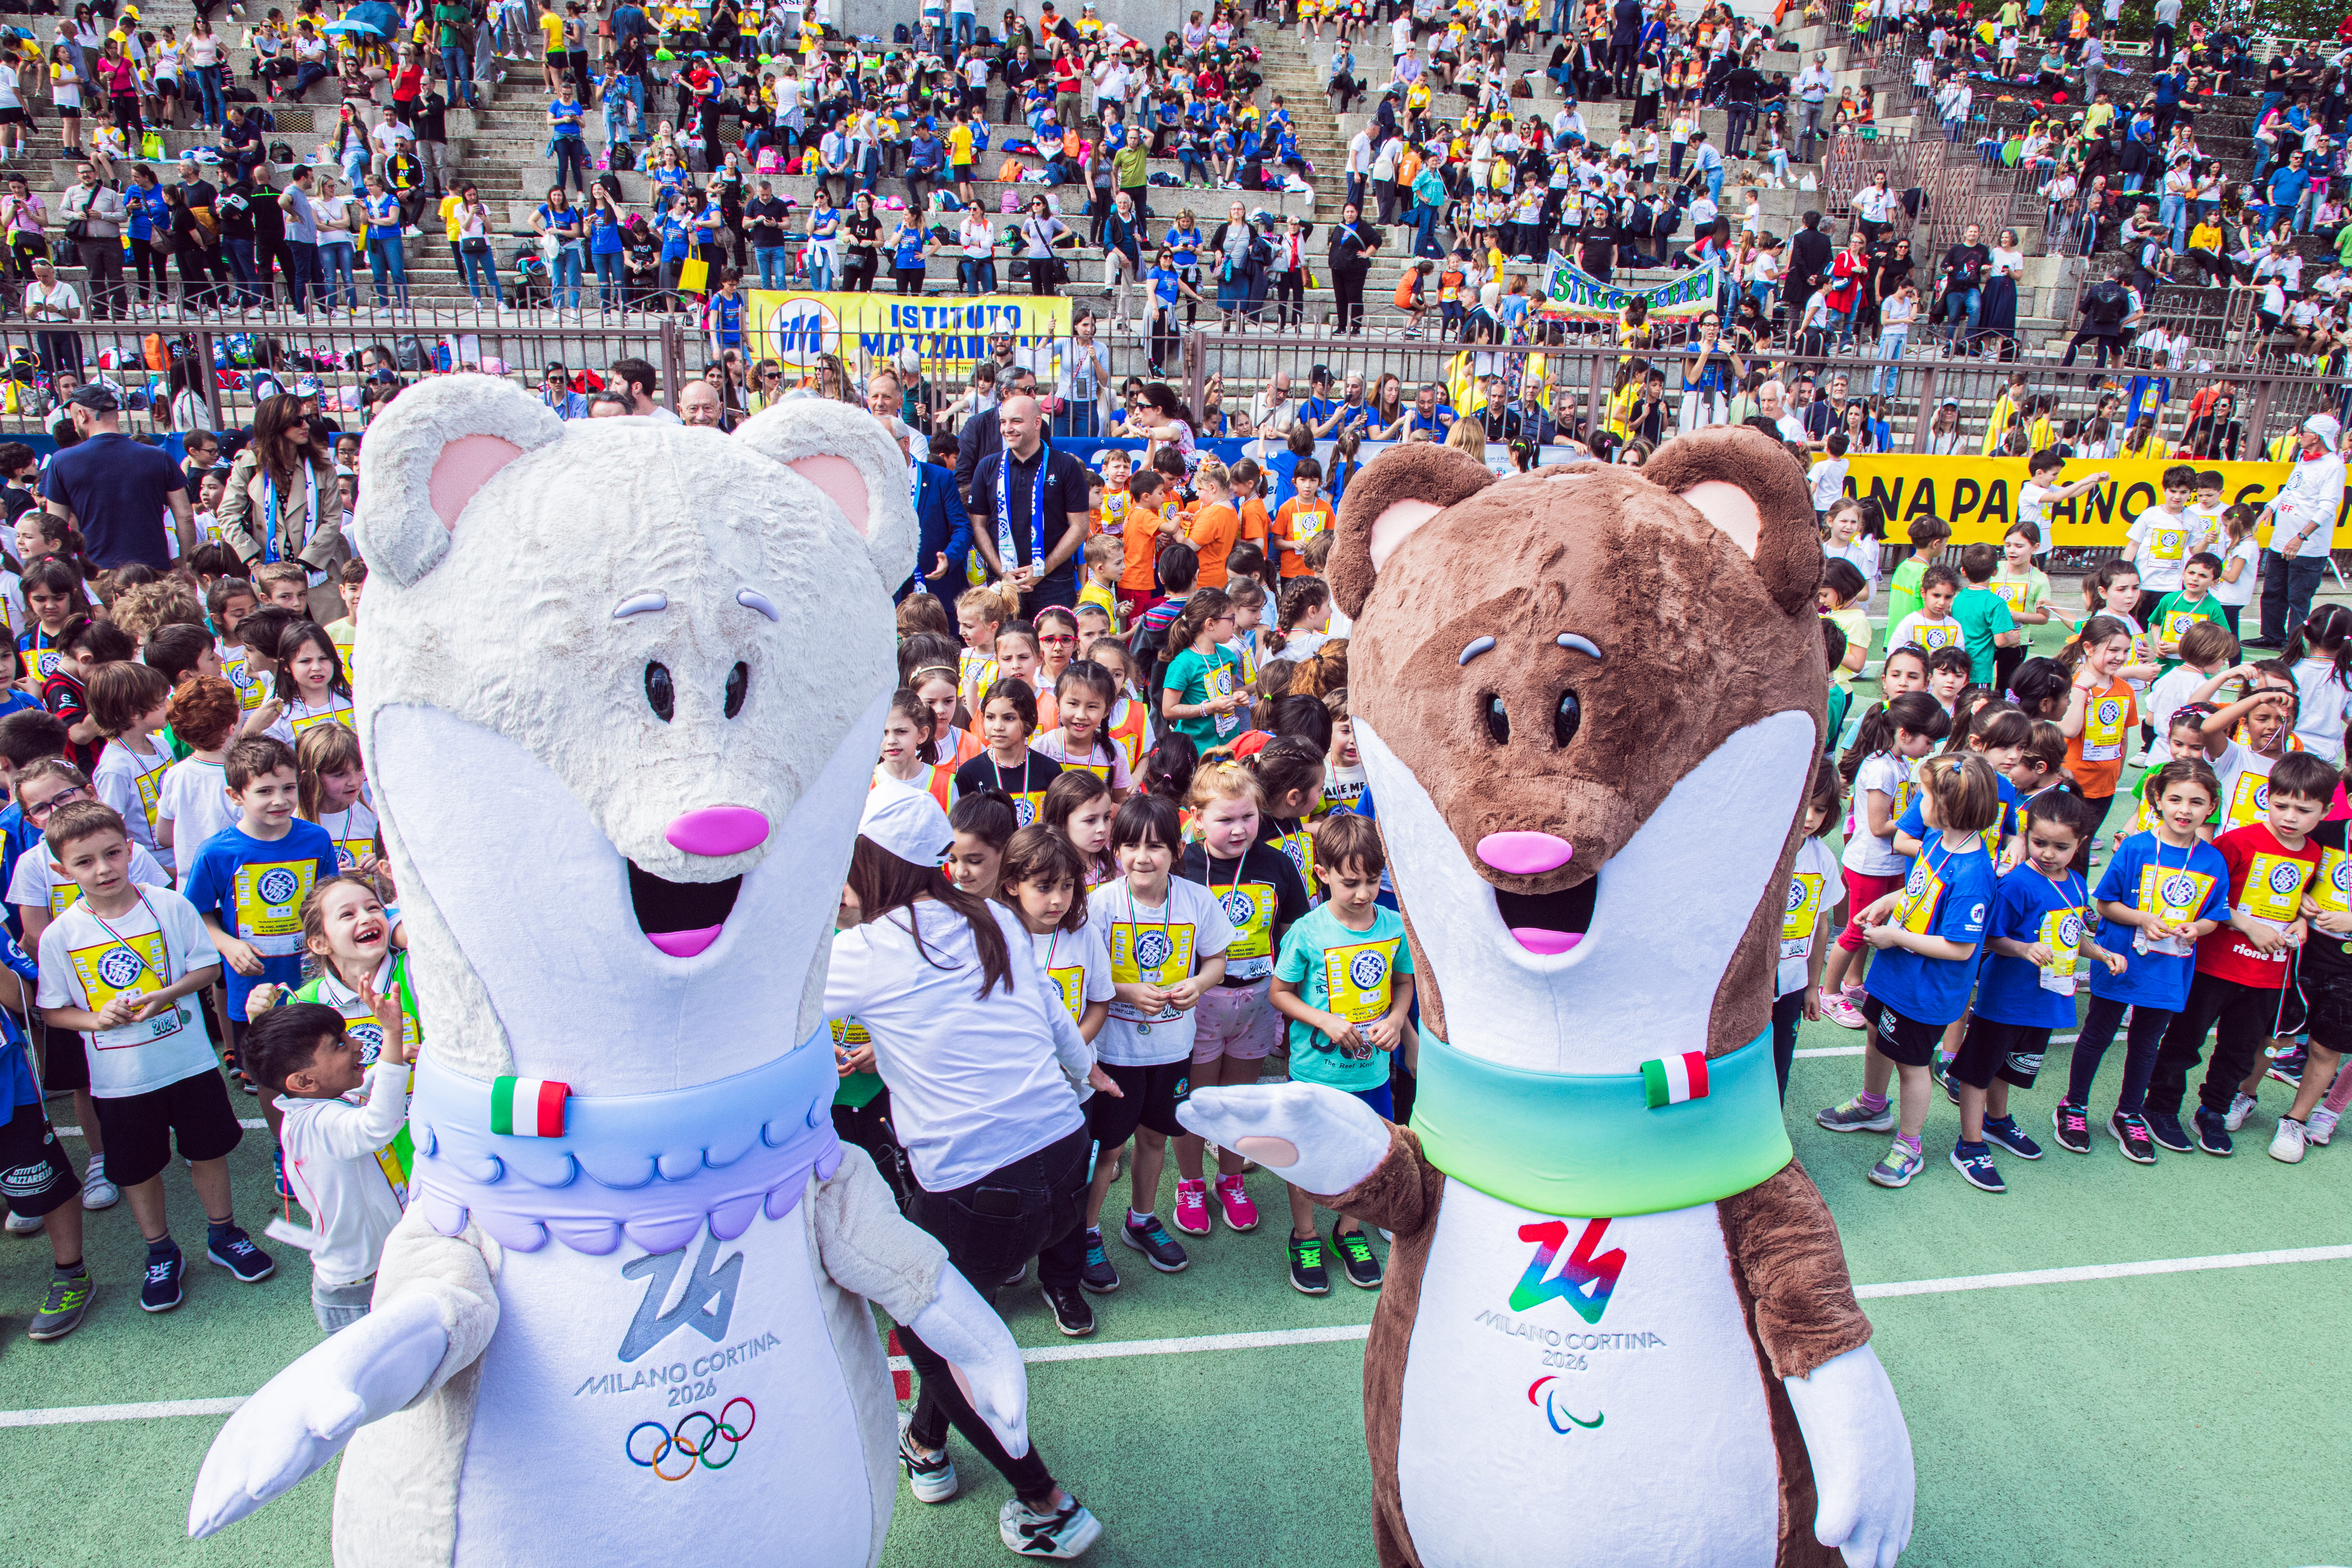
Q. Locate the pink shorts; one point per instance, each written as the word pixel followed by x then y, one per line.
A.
pixel 1861 892
pixel 1236 1021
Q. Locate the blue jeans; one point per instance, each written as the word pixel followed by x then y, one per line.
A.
pixel 1890 353
pixel 608 279
pixel 1424 226
pixel 334 267
pixel 775 265
pixel 820 269
pixel 481 272
pixel 1077 420
pixel 571 157
pixel 305 281
pixel 1714 185
pixel 460 79
pixel 212 104
pixel 977 274
pixel 306 75
pixel 240 268
pixel 1974 299
pixel 569 270
pixel 388 264
pixel 2172 212
pixel 963 22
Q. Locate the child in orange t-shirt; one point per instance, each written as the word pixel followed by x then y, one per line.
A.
pixel 1307 513
pixel 1213 528
pixel 1138 584
pixel 1249 500
pixel 2099 710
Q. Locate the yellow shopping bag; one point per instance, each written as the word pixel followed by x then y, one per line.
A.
pixel 693 275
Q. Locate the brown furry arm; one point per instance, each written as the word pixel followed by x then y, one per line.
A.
pixel 1400 1195
pixel 1785 1246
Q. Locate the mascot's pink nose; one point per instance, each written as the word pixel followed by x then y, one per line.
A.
pixel 724 830
pixel 1519 854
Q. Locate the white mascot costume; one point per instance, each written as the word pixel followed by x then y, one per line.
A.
pixel 619 692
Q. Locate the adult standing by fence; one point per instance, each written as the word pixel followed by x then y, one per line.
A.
pixel 2301 519
pixel 116 490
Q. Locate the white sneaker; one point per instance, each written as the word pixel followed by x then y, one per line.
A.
pixel 23 1224
pixel 930 1480
pixel 2286 1144
pixel 2320 1128
pixel 2239 1108
pixel 1034 1535
pixel 97 1192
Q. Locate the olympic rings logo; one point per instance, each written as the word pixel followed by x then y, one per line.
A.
pixel 699 1447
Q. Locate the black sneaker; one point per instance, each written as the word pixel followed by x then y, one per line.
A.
pixel 1071 1313
pixel 2073 1127
pixel 1098 1276
pixel 1308 1275
pixel 160 1291
pixel 1951 1089
pixel 1151 1238
pixel 2211 1136
pixel 2012 1137
pixel 2167 1131
pixel 1974 1162
pixel 2131 1132
pixel 234 1250
pixel 65 1305
pixel 1356 1255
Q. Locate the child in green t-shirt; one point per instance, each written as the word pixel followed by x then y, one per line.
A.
pixel 2186 605
pixel 1929 536
pixel 1201 691
pixel 1345 981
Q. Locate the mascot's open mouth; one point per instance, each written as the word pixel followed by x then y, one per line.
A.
pixel 1550 922
pixel 681 917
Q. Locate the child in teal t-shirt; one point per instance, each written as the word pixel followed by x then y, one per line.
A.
pixel 1345 981
pixel 1201 691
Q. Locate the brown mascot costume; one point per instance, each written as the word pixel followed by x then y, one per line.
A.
pixel 1617 1327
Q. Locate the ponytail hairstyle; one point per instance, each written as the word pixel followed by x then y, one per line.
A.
pixel 1225 779
pixel 1204 606
pixel 1966 790
pixel 1169 767
pixel 1074 788
pixel 1291 762
pixel 1908 650
pixel 927 650
pixel 2039 687
pixel 1013 690
pixel 1914 712
pixel 2097 630
pixel 62 542
pixel 1300 599
pixel 105 642
pixel 54 574
pixel 2326 632
pixel 1995 727
pixel 1308 718
pixel 918 713
pixel 290 642
pixel 322 748
pixel 1039 854
pixel 884 883
pixel 2094 594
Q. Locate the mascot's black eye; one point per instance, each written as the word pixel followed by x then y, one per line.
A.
pixel 1566 718
pixel 660 692
pixel 739 682
pixel 1498 722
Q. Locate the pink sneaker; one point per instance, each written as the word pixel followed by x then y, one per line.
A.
pixel 1240 1212
pixel 1839 1010
pixel 1192 1206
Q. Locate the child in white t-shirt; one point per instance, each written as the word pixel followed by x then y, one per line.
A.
pixel 1878 770
pixel 1932 625
pixel 1827 477
pixel 129 702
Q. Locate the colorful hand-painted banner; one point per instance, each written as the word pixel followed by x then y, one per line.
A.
pixel 1577 294
pixel 1978 496
pixel 950 332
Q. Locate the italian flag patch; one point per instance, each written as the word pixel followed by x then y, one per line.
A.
pixel 1670 1081
pixel 533 1107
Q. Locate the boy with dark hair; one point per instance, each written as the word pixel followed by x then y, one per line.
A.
pixel 121 964
pixel 2186 605
pixel 254 672
pixel 1948 672
pixel 1985 620
pixel 181 651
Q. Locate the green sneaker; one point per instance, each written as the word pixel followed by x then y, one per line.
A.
pixel 65 1305
pixel 1308 1275
pixel 1356 1255
pixel 1898 1169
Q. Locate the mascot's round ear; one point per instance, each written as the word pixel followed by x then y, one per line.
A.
pixel 1746 483
pixel 1394 495
pixel 428 455
pixel 844 452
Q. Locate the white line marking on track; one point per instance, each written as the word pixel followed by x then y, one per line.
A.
pixel 66 1416
pixel 249 1123
pixel 1856 1051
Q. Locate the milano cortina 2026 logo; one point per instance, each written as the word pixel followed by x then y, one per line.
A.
pixel 1584 1281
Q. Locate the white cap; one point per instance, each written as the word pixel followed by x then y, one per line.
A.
pixel 2324 425
pixel 907 822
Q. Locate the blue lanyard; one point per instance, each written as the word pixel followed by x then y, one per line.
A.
pixel 1036 509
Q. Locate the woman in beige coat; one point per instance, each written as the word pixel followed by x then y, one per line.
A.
pixel 282 503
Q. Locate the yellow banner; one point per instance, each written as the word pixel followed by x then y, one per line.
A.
pixel 1978 496
pixel 950 332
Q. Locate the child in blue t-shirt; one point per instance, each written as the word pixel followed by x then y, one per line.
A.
pixel 2038 931
pixel 1345 981
pixel 2163 891
pixel 1927 932
pixel 726 314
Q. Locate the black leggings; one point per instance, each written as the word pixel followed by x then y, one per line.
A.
pixel 2248 1018
pixel 1785 1013
pixel 857 273
pixel 910 280
pixel 2141 1045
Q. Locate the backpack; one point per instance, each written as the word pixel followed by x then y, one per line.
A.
pixel 280 153
pixel 624 156
pixel 410 355
pixel 2106 305
pixel 900 35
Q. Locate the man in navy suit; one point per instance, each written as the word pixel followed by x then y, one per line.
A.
pixel 945 529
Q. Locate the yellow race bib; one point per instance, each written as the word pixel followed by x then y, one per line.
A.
pixel 2062 932
pixel 249 694
pixel 1359 978
pixel 2168 544
pixel 1923 891
pixel 1250 907
pixel 1149 956
pixel 2332 888
pixel 132 966
pixel 2102 728
pixel 2173 894
pixel 269 896
pixel 1803 912
pixel 2177 621
pixel 848 1032
pixel 2274 887
pixel 2249 798
pixel 1072 982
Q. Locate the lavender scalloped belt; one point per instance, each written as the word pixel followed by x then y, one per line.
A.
pixel 653 1167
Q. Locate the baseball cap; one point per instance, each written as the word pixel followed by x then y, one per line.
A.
pixel 907 822
pixel 98 398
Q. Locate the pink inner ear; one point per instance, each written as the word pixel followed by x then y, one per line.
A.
pixel 1396 525
pixel 1730 509
pixel 465 465
pixel 838 477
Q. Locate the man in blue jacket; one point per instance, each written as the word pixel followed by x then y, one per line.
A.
pixel 944 537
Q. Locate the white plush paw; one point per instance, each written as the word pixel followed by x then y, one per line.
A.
pixel 1861 1452
pixel 1315 1138
pixel 303 1416
pixel 980 1349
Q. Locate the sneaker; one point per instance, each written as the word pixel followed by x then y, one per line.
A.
pixel 2072 1127
pixel 2321 1127
pixel 1098 1276
pixel 65 1305
pixel 1018 1275
pixel 234 1250
pixel 278 1170
pixel 1308 1275
pixel 1843 1013
pixel 1151 1238
pixel 1071 1313
pixel 1897 1168
pixel 2167 1133
pixel 1355 1256
pixel 2241 1107
pixel 160 1290
pixel 2132 1133
pixel 1192 1207
pixel 1234 1199
pixel 97 1192
pixel 931 1478
pixel 1033 1534
pixel 1974 1162
pixel 23 1224
pixel 2213 1133
pixel 1852 1116
pixel 2012 1137
pixel 2287 1068
pixel 2286 1144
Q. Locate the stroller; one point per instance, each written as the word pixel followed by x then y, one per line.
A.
pixel 531 288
